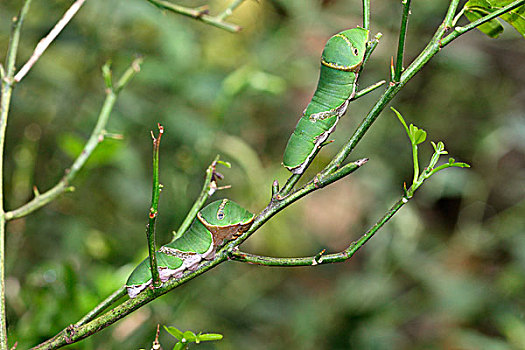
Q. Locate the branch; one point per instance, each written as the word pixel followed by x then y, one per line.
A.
pixel 370 47
pixel 154 209
pixel 367 90
pixel 401 43
pixel 458 31
pixel 320 258
pixel 366 14
pixel 47 40
pixel 96 137
pixel 6 92
pixel 200 13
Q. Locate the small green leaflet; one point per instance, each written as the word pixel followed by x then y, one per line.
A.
pixel 476 9
pixel 341 60
pixel 190 337
pixel 216 223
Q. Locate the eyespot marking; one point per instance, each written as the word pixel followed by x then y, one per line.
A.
pixel 220 211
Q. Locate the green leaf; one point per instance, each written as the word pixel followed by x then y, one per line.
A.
pixel 417 135
pixel 400 117
pixel 189 336
pixel 179 346
pixel 209 336
pixel 516 19
pixel 491 28
pixel 475 9
pixel 420 136
pixel 174 332
pixel 462 165
pixel 226 164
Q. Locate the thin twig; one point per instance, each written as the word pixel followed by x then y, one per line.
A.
pixel 200 14
pixel 319 258
pixel 97 136
pixel 370 48
pixel 208 188
pixel 6 93
pixel 366 14
pixel 229 10
pixel 367 90
pixel 154 209
pixel 48 39
pixel 401 42
pixel 458 16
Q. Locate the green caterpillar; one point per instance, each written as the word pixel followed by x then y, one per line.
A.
pixel 340 62
pixel 216 223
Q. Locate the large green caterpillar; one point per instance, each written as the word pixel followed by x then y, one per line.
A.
pixel 342 57
pixel 219 221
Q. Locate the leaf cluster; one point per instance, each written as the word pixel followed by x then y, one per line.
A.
pixel 188 337
pixel 476 9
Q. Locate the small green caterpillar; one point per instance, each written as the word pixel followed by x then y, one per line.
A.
pixel 342 57
pixel 216 223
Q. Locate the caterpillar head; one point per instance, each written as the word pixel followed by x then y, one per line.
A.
pixel 225 219
pixel 346 50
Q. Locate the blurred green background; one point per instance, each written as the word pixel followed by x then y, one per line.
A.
pixel 446 273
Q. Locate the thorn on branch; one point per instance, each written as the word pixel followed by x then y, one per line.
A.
pixel 392 79
pixel 326 143
pixel 201 10
pixel 156 343
pixel 361 162
pixel 318 258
